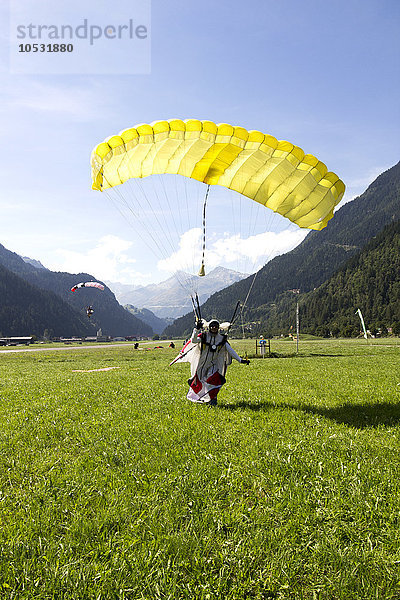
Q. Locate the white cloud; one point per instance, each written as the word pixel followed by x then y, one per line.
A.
pixel 232 251
pixel 187 257
pixel 108 260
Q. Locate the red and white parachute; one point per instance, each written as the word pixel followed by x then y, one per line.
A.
pixel 94 284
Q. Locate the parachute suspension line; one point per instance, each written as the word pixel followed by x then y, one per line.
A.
pixel 189 226
pixel 164 227
pixel 233 317
pixel 198 306
pixel 129 209
pixel 189 216
pixel 162 251
pixel 164 242
pixel 187 285
pixel 191 257
pixel 245 302
pixel 135 215
pixel 248 293
pixel 202 271
pixel 196 316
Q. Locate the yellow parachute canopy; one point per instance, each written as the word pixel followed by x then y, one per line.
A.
pixel 274 173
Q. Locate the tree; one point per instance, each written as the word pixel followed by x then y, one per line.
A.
pixel 396 328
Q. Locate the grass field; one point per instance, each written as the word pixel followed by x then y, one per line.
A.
pixel 113 486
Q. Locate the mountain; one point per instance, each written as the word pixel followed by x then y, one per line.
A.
pixel 170 298
pixel 28 310
pixel 109 316
pixel 120 288
pixel 33 262
pixel 316 259
pixel 145 315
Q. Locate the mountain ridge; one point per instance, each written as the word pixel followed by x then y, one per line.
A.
pixel 170 298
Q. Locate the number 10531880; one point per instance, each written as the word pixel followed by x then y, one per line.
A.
pixel 45 48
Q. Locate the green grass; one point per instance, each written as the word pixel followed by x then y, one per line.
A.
pixel 113 486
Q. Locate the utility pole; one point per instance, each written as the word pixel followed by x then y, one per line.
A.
pixel 296 291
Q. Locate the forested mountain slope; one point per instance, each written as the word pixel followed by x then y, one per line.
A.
pixel 369 281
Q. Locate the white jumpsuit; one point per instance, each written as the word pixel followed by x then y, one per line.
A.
pixel 209 361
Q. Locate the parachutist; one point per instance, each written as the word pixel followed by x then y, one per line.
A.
pixel 209 355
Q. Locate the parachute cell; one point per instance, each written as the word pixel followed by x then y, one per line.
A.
pixel 276 174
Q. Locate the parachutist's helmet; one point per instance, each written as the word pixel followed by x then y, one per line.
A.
pixel 213 324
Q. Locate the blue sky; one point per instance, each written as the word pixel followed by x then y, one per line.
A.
pixel 323 75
